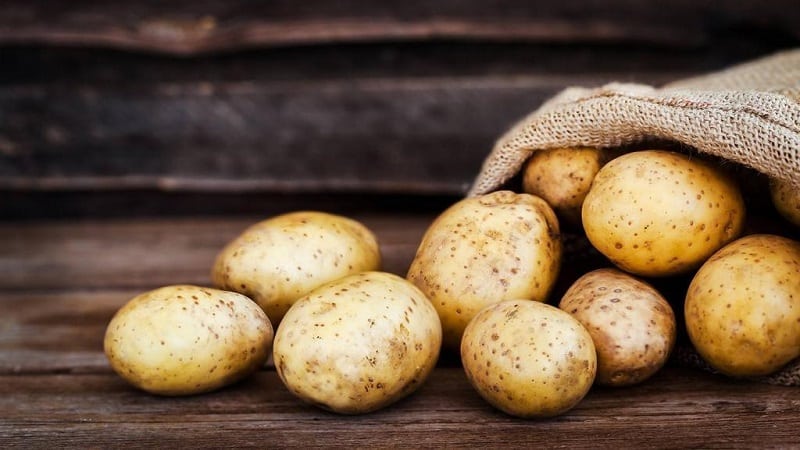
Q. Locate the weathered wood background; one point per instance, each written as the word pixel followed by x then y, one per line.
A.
pixel 308 97
pixel 137 137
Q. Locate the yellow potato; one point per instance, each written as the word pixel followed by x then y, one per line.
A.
pixel 658 213
pixel 743 306
pixel 562 177
pixel 358 344
pixel 631 324
pixel 484 250
pixel 181 340
pixel 528 359
pixel 279 260
pixel 786 198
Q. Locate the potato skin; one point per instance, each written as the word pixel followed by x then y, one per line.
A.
pixel 528 359
pixel 743 306
pixel 562 177
pixel 632 325
pixel 182 340
pixel 659 213
pixel 483 250
pixel 786 198
pixel 279 260
pixel 358 343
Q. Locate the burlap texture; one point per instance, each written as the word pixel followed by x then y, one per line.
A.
pixel 749 113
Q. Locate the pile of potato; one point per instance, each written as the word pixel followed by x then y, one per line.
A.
pixel 351 339
pixel 650 213
pixel 347 337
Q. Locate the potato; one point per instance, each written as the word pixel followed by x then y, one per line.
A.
pixel 279 260
pixel 631 324
pixel 358 344
pixel 483 250
pixel 786 198
pixel 181 340
pixel 743 306
pixel 528 359
pixel 562 177
pixel 658 213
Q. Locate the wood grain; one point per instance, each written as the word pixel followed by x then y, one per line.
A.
pixel 120 253
pixel 400 112
pixel 406 121
pixel 420 135
pixel 121 204
pixel 31 65
pixel 198 27
pixel 677 408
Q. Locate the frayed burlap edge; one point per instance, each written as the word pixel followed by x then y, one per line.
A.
pixel 749 114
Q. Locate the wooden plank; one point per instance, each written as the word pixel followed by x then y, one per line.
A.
pixel 27 65
pixel 123 254
pixel 24 205
pixel 678 408
pixel 56 332
pixel 420 135
pixel 42 256
pixel 406 120
pixel 206 26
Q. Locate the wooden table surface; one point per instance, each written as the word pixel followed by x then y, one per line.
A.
pixel 62 281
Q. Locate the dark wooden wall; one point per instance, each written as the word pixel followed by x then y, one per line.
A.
pixel 148 107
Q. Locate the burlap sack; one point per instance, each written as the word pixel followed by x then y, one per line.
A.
pixel 749 114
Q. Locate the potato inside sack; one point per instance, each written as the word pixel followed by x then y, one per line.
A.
pixel 358 344
pixel 279 260
pixel 483 250
pixel 181 340
pixel 632 325
pixel 743 306
pixel 528 359
pixel 786 198
pixel 659 213
pixel 562 177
